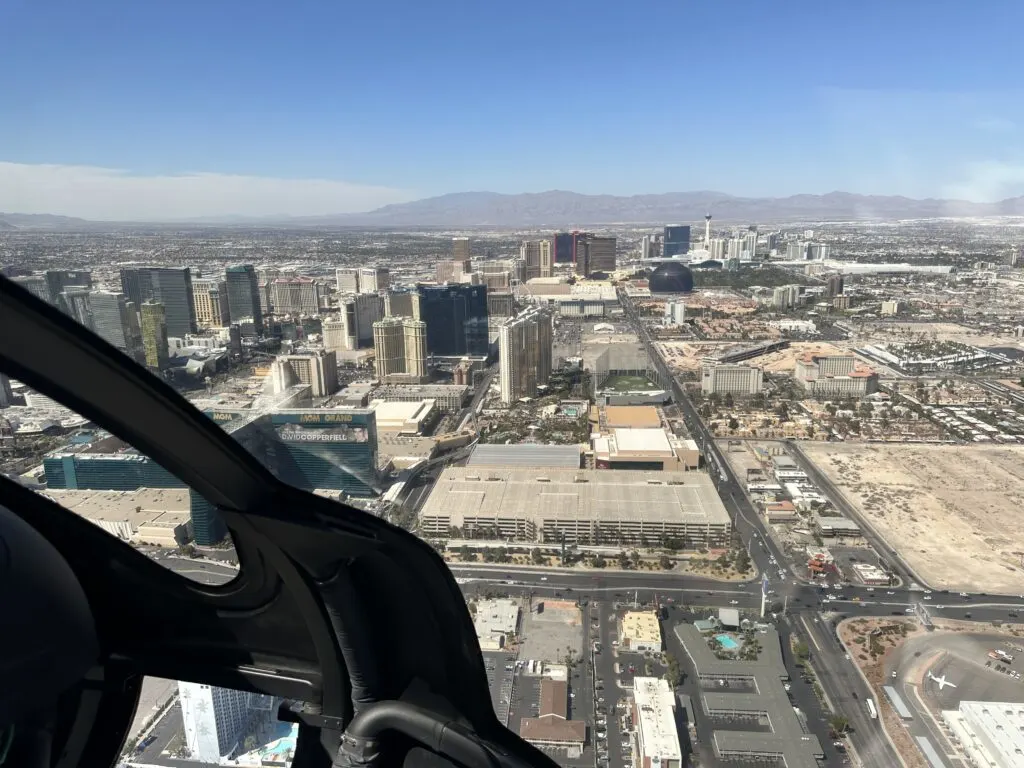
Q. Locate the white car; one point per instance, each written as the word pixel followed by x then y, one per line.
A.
pixel 734 602
pixel 543 578
pixel 964 594
pixel 927 597
pixel 890 593
pixel 927 591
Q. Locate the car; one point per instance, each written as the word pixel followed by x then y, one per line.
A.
pixel 734 602
pixel 964 594
pixel 909 610
pixel 1012 614
pixel 927 597
pixel 890 593
pixel 894 674
pixel 847 656
pixel 927 591
pixel 543 578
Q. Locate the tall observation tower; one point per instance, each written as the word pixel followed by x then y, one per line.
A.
pixel 707 232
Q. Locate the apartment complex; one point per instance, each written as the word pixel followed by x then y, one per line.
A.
pixel 400 346
pixel 524 348
pixel 731 379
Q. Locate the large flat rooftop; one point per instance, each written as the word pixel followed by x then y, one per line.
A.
pixel 525 455
pixel 548 493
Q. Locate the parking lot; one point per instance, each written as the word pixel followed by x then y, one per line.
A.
pixel 500 679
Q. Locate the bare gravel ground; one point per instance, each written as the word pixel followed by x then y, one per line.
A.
pixel 952 512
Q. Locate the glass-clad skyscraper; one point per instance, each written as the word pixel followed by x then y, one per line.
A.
pixel 677 240
pixel 244 294
pixel 171 287
pixel 456 318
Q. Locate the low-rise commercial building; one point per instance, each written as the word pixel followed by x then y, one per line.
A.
pixel 640 449
pixel 552 726
pixel 654 714
pixel 495 621
pixel 405 418
pixel 641 631
pixel 449 397
pixel 577 506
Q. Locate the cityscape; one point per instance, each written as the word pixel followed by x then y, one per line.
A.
pixel 716 492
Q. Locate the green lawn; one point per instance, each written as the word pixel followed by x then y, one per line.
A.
pixel 628 383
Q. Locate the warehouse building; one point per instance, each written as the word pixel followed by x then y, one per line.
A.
pixel 580 506
pixel 654 713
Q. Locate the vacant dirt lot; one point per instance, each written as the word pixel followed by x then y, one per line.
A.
pixel 952 512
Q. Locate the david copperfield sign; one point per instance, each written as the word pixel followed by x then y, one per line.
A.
pixel 340 433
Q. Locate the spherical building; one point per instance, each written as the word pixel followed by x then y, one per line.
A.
pixel 671 277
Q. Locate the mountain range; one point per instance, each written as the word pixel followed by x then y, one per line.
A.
pixel 572 210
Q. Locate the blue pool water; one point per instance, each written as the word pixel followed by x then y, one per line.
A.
pixel 727 642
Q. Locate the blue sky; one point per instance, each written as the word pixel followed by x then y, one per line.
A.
pixel 124 108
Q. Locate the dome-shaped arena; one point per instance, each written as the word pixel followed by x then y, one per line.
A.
pixel 671 277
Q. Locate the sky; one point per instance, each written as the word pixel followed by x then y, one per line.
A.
pixel 121 109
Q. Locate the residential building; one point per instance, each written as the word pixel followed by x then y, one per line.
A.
pixel 358 313
pixel 787 296
pixel 734 249
pixel 153 322
pixel 59 280
pixel 892 307
pixel 374 279
pixel 563 248
pixel 524 348
pixel 402 304
pixel 336 336
pixel 74 302
pixel 537 256
pixel 244 295
pixel 731 379
pixel 400 346
pixel 295 296
pixel 750 244
pixel 6 393
pixel 833 285
pixel 552 726
pixel 347 279
pixel 657 738
pixel 116 322
pixel 834 375
pixel 210 298
pixel 796 252
pixel 841 302
pixel 456 318
pixel 461 249
pixel 675 313
pixel 595 254
pixel 500 304
pixel 651 246
pixel 676 240
pixel 34 284
pixel 641 632
pixel 171 287
pixel 216 721
pixel 453 271
pixel 318 370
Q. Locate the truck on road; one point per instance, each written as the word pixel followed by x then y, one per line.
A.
pixel 870 704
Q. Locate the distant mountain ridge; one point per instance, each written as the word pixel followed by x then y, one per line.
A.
pixel 567 210
pixel 564 209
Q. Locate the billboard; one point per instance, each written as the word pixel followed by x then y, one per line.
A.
pixel 339 433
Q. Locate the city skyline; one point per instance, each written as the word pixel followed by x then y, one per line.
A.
pixel 268 115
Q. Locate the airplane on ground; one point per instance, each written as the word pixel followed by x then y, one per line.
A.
pixel 942 681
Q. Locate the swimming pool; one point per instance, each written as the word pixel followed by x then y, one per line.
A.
pixel 727 642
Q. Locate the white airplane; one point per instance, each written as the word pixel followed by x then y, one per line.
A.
pixel 942 681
